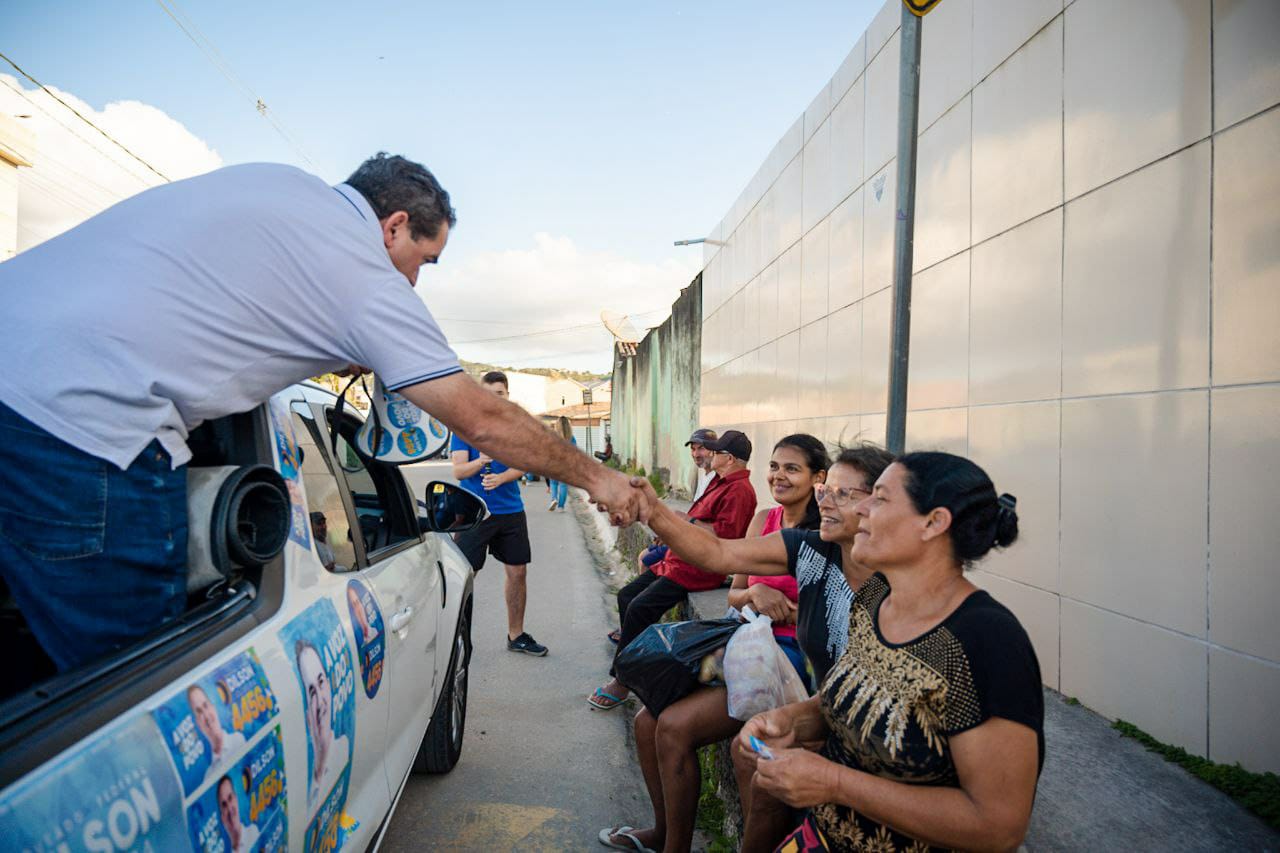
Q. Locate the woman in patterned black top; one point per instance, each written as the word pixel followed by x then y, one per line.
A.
pixel 932 720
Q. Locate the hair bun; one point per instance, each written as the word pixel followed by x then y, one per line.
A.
pixel 1006 521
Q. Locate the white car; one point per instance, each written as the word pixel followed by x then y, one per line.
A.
pixel 323 657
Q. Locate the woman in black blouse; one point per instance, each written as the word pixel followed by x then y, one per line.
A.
pixel 932 719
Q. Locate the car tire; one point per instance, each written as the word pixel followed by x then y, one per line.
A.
pixel 442 744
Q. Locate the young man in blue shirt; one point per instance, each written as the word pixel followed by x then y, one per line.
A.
pixel 505 533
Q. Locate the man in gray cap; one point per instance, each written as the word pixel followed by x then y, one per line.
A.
pixel 697 445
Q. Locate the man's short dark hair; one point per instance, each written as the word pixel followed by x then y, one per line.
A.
pixel 390 182
pixel 495 376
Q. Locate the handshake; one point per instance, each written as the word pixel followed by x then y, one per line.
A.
pixel 625 499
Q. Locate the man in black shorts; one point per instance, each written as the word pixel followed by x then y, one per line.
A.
pixel 505 533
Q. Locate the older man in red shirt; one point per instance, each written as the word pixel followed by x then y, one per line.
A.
pixel 726 508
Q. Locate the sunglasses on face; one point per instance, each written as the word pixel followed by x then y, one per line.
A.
pixel 839 496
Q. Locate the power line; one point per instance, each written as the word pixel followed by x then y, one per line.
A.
pixel 556 331
pixel 17 90
pixel 81 116
pixel 581 327
pixel 202 42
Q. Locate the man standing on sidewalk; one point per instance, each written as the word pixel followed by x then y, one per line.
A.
pixel 505 533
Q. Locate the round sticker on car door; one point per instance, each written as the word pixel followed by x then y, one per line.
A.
pixel 366 626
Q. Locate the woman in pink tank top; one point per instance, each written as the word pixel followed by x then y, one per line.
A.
pixel 794 469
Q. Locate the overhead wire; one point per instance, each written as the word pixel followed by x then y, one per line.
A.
pixel 540 333
pixel 44 156
pixel 83 118
pixel 206 46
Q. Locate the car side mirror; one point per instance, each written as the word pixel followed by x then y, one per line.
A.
pixel 452 509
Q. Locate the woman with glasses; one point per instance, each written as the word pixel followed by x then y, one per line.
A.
pixel 932 721
pixel 826 576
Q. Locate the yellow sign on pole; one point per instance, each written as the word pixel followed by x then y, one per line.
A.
pixel 920 8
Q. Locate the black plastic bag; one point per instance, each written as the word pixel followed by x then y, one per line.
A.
pixel 661 665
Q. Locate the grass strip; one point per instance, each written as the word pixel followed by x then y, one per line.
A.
pixel 1257 792
pixel 710 821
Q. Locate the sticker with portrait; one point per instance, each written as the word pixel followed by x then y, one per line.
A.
pixel 118 791
pixel 289 464
pixel 243 810
pixel 316 645
pixel 207 724
pixel 366 627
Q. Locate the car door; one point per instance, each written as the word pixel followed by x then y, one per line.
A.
pixel 332 587
pixel 401 566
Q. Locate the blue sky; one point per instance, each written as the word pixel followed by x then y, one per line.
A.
pixel 574 137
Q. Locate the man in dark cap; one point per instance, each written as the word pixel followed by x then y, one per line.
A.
pixel 726 507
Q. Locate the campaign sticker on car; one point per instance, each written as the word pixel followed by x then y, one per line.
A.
pixel 366 626
pixel 314 642
pixel 324 833
pixel 207 724
pixel 289 464
pixel 116 792
pixel 244 810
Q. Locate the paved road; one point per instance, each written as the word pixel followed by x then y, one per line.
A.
pixel 539 769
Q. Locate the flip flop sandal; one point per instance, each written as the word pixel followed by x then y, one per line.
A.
pixel 614 636
pixel 623 832
pixel 601 701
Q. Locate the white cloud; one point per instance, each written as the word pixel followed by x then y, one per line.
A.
pixel 77 172
pixel 553 285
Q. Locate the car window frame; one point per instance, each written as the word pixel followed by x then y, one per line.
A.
pixel 314 418
pixel 401 506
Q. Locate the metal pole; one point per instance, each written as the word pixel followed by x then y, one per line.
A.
pixel 904 229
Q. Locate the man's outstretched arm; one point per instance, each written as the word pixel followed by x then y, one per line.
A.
pixel 509 434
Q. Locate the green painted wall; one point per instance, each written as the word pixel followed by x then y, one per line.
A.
pixel 656 393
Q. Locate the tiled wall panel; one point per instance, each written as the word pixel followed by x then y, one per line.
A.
pixel 1096 289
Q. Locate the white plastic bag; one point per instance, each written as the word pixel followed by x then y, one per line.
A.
pixel 757 673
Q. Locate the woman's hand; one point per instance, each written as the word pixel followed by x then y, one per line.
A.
pixel 798 777
pixel 772 603
pixel 775 728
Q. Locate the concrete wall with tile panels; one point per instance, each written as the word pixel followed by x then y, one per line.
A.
pixel 1096 292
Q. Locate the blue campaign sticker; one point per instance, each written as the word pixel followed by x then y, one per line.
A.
pixel 289 464
pixel 116 792
pixel 244 809
pixel 438 429
pixel 315 644
pixel 400 411
pixel 324 833
pixel 366 626
pixel 207 724
pixel 412 442
pixel 384 442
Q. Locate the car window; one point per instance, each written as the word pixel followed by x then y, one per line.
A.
pixel 372 496
pixel 330 526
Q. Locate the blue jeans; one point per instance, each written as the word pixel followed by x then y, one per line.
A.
pixel 95 557
pixel 559 492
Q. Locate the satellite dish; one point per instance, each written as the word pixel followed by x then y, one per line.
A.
pixel 624 332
